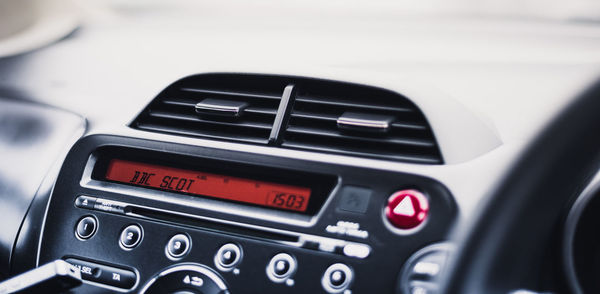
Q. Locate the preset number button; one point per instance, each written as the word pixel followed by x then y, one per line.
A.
pixel 86 227
pixel 228 257
pixel 178 246
pixel 281 268
pixel 131 236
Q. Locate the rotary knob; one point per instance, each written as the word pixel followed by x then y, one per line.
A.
pixel 186 278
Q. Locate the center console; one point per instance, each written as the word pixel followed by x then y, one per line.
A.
pixel 144 216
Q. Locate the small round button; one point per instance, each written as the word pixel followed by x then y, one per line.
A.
pixel 228 256
pixel 130 236
pixel 281 267
pixel 337 278
pixel 178 246
pixel 407 209
pixel 86 227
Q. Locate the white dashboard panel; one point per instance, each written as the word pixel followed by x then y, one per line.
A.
pixel 487 86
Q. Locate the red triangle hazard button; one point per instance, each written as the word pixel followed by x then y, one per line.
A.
pixel 405 207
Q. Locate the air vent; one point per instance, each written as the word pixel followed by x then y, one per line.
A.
pixel 217 106
pixel 360 121
pixel 296 113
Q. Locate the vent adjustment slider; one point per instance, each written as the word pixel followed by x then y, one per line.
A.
pixel 355 121
pixel 220 107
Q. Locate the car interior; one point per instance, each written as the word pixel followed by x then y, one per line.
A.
pixel 227 147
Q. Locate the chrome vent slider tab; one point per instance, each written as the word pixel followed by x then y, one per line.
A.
pixel 221 107
pixel 355 121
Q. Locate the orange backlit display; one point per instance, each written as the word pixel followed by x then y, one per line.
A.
pixel 211 185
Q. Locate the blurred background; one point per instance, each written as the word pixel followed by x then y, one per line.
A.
pixel 29 24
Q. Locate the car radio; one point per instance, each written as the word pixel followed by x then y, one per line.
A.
pixel 153 217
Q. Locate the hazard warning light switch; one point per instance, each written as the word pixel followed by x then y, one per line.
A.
pixel 407 209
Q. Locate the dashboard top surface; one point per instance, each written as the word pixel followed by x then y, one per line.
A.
pixel 514 73
pixel 126 56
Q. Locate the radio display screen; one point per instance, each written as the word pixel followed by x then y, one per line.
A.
pixel 197 183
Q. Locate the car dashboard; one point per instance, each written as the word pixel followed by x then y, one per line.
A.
pixel 310 156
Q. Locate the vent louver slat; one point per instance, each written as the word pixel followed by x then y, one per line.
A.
pixel 226 93
pixel 338 135
pixel 296 113
pixel 174 110
pixel 196 119
pixel 349 105
pixel 320 106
